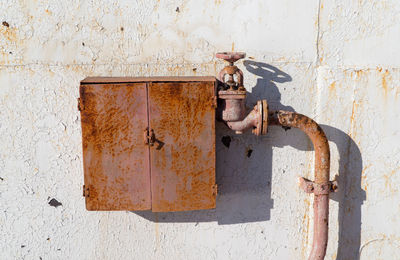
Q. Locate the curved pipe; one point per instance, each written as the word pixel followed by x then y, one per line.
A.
pixel 321 182
pixel 232 112
pixel 250 121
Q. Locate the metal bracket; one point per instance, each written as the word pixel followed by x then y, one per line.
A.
pixel 318 189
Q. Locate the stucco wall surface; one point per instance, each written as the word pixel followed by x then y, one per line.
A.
pixel 335 61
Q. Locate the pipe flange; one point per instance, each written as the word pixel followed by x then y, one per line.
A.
pixel 232 94
pixel 264 128
pixel 259 108
pixel 262 118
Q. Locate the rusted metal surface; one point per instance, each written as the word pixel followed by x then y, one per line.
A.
pixel 314 132
pixel 321 186
pixel 183 157
pixel 115 159
pixel 149 144
pixel 115 80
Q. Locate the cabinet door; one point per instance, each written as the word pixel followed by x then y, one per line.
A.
pixel 115 157
pixel 182 115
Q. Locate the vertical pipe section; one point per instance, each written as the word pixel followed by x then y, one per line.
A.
pixel 321 181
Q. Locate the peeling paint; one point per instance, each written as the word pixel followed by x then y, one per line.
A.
pixel 55 203
pixel 343 62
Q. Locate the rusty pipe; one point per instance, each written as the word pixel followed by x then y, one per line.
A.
pixel 259 119
pixel 321 187
pixel 251 121
pixel 231 110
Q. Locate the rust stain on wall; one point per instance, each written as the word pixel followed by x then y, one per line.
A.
pixel 364 177
pixel 384 82
pixel 388 181
pixel 9 34
pixel 332 90
pixel 332 86
pixel 352 117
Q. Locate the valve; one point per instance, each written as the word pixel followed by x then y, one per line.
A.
pixel 231 107
pixel 231 70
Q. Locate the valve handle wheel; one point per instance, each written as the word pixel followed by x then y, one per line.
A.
pixel 231 69
pixel 230 57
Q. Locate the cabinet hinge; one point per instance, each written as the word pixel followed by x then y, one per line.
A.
pixel 85 191
pixel 149 137
pixel 215 189
pixel 214 102
pixel 80 104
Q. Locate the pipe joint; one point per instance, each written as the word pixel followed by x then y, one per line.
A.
pixel 318 189
pixel 257 119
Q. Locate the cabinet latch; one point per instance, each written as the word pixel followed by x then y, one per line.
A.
pixel 149 136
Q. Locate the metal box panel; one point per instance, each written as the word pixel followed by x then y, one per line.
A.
pixel 114 80
pixel 182 115
pixel 121 171
pixel 115 158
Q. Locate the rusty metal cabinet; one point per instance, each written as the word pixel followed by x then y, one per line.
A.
pixel 148 143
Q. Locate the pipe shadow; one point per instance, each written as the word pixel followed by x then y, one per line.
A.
pixel 244 170
pixel 350 195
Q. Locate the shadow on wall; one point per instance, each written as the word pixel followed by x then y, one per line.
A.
pixel 350 195
pixel 266 87
pixel 244 170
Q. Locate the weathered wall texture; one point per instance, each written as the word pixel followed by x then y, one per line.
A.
pixel 336 61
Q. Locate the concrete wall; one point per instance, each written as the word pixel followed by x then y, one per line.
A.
pixel 335 61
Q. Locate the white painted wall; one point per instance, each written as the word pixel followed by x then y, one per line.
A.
pixel 335 61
